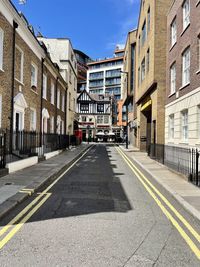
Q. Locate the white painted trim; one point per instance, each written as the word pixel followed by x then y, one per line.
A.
pixel 52 154
pixel 183 97
pixel 11 14
pixel 22 64
pixel 21 164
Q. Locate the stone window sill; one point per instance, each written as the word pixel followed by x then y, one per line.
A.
pixel 184 30
pixel 184 143
pixel 197 72
pixel 172 46
pixel 20 82
pixel 172 94
pixel 34 91
pixel 184 86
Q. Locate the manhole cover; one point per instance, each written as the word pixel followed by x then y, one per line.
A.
pixel 8 183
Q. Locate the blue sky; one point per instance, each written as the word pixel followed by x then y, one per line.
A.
pixel 94 26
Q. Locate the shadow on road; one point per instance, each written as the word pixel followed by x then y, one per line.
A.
pixel 92 186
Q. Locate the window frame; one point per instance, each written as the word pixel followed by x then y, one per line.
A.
pixel 173 32
pixel 186 15
pixel 44 93
pixel 184 125
pixel 171 126
pixel 1 48
pixel 173 78
pixel 185 67
pixel 36 74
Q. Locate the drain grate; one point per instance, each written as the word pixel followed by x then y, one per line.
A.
pixel 8 183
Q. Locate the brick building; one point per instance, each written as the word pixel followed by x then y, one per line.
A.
pixel 151 72
pixel 128 86
pixel 183 70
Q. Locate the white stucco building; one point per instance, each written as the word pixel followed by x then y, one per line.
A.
pixel 62 53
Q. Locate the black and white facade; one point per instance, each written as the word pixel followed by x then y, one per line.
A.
pixel 95 114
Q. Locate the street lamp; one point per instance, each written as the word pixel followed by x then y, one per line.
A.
pixel 125 72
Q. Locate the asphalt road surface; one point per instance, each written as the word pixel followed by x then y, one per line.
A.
pixel 100 213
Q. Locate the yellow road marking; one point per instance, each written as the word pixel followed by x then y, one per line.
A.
pixel 181 218
pixel 188 240
pixel 25 219
pixel 27 208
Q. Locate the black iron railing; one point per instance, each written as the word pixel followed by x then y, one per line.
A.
pixel 183 160
pixel 26 144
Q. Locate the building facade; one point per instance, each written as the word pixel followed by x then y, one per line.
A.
pixel 128 87
pixel 62 53
pixel 151 72
pixel 104 76
pixel 183 70
pixel 82 61
pixel 95 114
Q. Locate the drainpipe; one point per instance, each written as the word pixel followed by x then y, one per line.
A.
pixel 66 110
pixel 41 100
pixel 56 109
pixel 15 26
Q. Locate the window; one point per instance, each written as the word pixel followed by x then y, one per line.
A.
pixel 173 79
pixel 19 64
pixel 52 119
pixel 44 86
pixel 1 48
pixel 58 98
pixel 52 93
pixel 186 14
pixel 132 67
pixel 84 119
pixel 184 116
pixel 186 67
pixel 100 107
pixel 84 107
pixel 69 101
pixel 0 111
pixel 144 34
pixel 32 119
pixel 139 44
pixel 198 51
pixel 139 76
pixel 34 75
pixel 99 119
pixel 70 76
pixel 106 119
pixel 173 32
pixel 63 102
pixel 171 126
pixel 148 59
pixel 143 69
pixel 148 19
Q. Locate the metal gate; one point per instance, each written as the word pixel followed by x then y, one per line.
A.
pixel 2 150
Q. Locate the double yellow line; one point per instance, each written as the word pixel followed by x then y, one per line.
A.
pixel 20 219
pixel 160 199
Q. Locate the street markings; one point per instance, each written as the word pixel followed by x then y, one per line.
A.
pixel 20 219
pixel 156 194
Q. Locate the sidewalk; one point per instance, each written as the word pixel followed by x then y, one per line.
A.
pixel 34 178
pixel 187 194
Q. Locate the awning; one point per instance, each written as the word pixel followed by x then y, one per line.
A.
pixel 146 105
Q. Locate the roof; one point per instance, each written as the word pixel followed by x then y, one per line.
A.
pixel 105 60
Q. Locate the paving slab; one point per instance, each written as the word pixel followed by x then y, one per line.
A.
pixel 34 178
pixel 187 194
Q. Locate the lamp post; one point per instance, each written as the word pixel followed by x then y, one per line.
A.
pixel 127 76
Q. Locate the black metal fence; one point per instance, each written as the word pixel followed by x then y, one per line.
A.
pixel 183 160
pixel 23 144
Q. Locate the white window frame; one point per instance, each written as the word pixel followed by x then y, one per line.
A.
pixel 0 111
pixel 173 32
pixel 58 98
pixel 1 48
pixel 21 80
pixel 52 122
pixel 186 14
pixel 44 94
pixel 63 102
pixel 33 123
pixel 171 126
pixel 173 78
pixel 184 125
pixel 52 93
pixel 186 67
pixel 34 83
